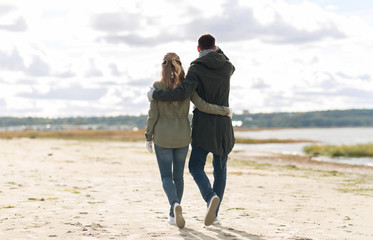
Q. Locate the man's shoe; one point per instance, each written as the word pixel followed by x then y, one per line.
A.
pixel 171 220
pixel 211 210
pixel 216 221
pixel 178 213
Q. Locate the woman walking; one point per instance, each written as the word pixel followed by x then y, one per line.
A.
pixel 169 128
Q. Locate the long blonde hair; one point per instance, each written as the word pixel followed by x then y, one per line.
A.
pixel 172 71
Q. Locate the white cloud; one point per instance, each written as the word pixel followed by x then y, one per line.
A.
pixel 92 57
pixel 74 92
pixel 11 61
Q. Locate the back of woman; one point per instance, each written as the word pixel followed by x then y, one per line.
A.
pixel 172 129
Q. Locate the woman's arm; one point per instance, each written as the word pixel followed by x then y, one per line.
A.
pixel 152 120
pixel 206 107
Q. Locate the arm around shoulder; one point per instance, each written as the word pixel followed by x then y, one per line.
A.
pixel 182 92
pixel 209 108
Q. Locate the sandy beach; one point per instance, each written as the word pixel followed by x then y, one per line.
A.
pixel 69 189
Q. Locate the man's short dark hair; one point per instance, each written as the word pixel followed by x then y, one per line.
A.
pixel 206 41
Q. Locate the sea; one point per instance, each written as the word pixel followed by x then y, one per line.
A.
pixel 331 136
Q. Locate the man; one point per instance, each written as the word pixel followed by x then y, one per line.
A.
pixel 210 75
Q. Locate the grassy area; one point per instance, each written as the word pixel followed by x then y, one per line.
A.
pixel 360 150
pixel 270 140
pixel 119 135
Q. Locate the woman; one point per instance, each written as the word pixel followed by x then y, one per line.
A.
pixel 169 128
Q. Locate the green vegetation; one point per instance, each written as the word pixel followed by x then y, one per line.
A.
pixel 360 150
pixel 129 121
pixel 270 140
pixel 119 135
pixel 332 118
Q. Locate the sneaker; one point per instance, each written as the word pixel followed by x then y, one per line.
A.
pixel 178 213
pixel 216 221
pixel 171 220
pixel 211 210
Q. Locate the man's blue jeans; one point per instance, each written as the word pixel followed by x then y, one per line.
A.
pixel 197 163
pixel 171 163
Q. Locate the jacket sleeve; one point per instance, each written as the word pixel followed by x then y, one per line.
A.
pixel 152 120
pixel 206 107
pixel 182 92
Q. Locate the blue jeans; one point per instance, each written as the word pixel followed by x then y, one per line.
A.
pixel 171 163
pixel 197 163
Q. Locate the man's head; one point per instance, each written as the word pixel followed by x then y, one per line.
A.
pixel 206 41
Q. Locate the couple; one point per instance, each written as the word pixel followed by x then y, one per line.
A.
pixel 207 85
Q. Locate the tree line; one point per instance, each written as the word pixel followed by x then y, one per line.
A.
pixel 331 118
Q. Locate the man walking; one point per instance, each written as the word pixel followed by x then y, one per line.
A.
pixel 210 76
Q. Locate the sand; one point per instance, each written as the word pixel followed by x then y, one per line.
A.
pixel 65 189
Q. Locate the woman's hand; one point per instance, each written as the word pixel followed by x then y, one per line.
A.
pixel 149 146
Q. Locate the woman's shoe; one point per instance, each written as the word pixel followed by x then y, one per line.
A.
pixel 178 213
pixel 171 220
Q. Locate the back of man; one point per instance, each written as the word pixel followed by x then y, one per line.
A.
pixel 213 133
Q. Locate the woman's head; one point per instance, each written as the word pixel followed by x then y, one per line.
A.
pixel 172 71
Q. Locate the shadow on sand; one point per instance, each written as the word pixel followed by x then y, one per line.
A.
pixel 220 232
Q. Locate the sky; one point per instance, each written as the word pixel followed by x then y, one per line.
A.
pixel 99 58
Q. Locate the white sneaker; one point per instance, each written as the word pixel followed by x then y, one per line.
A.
pixel 178 213
pixel 171 220
pixel 216 221
pixel 211 210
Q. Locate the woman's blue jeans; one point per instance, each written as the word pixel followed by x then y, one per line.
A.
pixel 197 163
pixel 171 163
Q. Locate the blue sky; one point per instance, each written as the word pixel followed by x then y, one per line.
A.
pixel 93 58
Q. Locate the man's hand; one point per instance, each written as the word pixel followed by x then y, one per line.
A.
pixel 149 146
pixel 150 94
pixel 230 113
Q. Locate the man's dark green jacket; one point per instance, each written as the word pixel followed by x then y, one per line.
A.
pixel 210 75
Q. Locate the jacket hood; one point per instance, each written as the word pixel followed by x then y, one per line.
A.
pixel 213 60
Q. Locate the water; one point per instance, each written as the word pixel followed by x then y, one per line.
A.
pixel 333 136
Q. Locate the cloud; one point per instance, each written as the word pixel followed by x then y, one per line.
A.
pixel 4 9
pixel 115 22
pixel 236 23
pixel 38 68
pixel 114 70
pixel 67 74
pixel 93 71
pixel 27 81
pixel 75 92
pixel 363 77
pixel 136 40
pixel 18 25
pixel 13 61
pixel 240 23
pixel 344 92
pixel 343 75
pixel 260 84
pixel 2 103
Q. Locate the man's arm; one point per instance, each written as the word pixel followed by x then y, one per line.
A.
pixel 209 108
pixel 182 92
